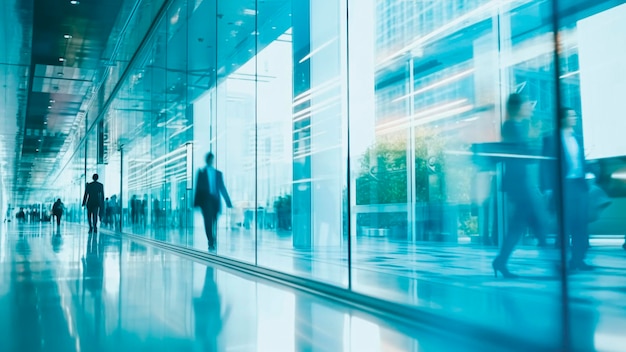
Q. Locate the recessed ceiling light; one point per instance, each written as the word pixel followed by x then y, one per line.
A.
pixel 49 106
pixel 67 36
pixel 51 101
pixel 61 59
pixel 37 150
pixel 74 2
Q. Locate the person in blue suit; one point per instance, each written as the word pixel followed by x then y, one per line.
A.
pixel 575 187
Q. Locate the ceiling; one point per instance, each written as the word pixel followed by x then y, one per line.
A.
pixel 50 58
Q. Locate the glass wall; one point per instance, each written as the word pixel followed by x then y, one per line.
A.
pixel 460 156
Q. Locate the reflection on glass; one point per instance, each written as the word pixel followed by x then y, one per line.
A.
pixel 408 153
pixel 439 155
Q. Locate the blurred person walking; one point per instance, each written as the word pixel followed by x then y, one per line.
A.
pixel 210 189
pixel 57 210
pixel 522 192
pixel 575 188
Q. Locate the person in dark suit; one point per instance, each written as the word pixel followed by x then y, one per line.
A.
pixel 57 211
pixel 94 200
pixel 21 216
pixel 575 188
pixel 521 189
pixel 210 189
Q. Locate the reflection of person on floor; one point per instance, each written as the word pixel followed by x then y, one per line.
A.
pixel 57 211
pixel 57 240
pixel 210 189
pixel 92 263
pixel 209 318
pixel 575 188
pixel 522 193
pixel 94 200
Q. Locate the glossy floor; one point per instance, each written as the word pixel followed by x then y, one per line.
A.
pixel 69 291
pixel 455 280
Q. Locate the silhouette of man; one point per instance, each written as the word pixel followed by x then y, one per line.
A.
pixel 94 200
pixel 209 190
pixel 57 211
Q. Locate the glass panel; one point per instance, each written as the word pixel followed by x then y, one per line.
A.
pixel 91 168
pixel 274 136
pixel 437 184
pixel 156 95
pixel 135 31
pixel 300 134
pixel 592 84
pixel 202 95
pixel 231 177
pixel 175 126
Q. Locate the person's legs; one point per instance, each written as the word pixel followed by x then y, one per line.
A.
pixel 515 231
pixel 89 218
pixel 517 225
pixel 576 216
pixel 520 203
pixel 58 216
pixel 538 218
pixel 213 232
pixel 209 225
pixel 96 212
